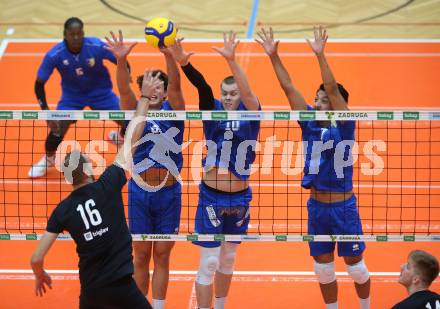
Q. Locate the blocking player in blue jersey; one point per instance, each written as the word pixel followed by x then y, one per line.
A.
pixel 225 195
pixel 85 81
pixel 332 205
pixel 154 199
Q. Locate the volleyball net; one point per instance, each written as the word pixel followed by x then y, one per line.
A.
pixel 395 157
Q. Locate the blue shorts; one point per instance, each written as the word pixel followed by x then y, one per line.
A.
pixel 341 218
pixel 108 101
pixel 221 213
pixel 154 212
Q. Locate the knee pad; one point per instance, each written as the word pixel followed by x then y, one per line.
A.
pixel 209 261
pixel 325 272
pixel 359 272
pixel 227 258
pixel 52 141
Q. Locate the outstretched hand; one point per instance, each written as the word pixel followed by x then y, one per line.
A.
pixel 228 50
pixel 267 41
pixel 150 83
pixel 178 53
pixel 40 282
pixel 117 47
pixel 320 39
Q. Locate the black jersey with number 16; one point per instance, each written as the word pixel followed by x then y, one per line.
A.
pixel 94 216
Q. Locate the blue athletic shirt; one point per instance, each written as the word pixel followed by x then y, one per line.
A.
pixel 322 175
pixel 167 144
pixel 83 74
pixel 236 132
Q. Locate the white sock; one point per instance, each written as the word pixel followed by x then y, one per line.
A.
pixel 365 302
pixel 158 303
pixel 332 306
pixel 203 308
pixel 219 302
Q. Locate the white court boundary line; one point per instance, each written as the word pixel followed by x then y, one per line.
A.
pixel 194 272
pixel 3 46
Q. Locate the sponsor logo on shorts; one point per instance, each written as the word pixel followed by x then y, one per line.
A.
pixel 212 216
pixel 355 247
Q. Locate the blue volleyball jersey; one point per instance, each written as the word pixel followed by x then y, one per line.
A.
pixel 321 172
pixel 240 136
pixel 161 144
pixel 82 75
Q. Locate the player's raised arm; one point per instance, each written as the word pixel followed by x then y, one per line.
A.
pixel 120 50
pixel 137 124
pixel 331 87
pixel 270 46
pixel 250 100
pixel 206 97
pixel 175 94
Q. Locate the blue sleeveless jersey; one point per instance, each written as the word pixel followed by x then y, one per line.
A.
pixel 336 143
pixel 83 75
pixel 161 144
pixel 231 143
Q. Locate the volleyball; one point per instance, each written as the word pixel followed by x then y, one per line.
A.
pixel 160 32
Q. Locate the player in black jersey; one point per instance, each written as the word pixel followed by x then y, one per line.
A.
pixel 416 276
pixel 94 216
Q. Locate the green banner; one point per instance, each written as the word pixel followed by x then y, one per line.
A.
pixel 307 116
pixel 385 115
pixel 219 116
pixel 281 115
pixel 29 115
pixel 116 115
pixel 194 115
pixel 411 116
pixel 91 115
pixel 6 115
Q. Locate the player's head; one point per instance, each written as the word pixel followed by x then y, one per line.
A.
pixel 74 34
pixel 420 270
pixel 160 93
pixel 230 94
pixel 77 168
pixel 322 101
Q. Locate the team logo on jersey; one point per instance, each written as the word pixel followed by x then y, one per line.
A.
pixel 66 62
pixel 91 62
pixel 79 72
pixel 155 128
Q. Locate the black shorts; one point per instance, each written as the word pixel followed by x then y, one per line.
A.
pixel 120 294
